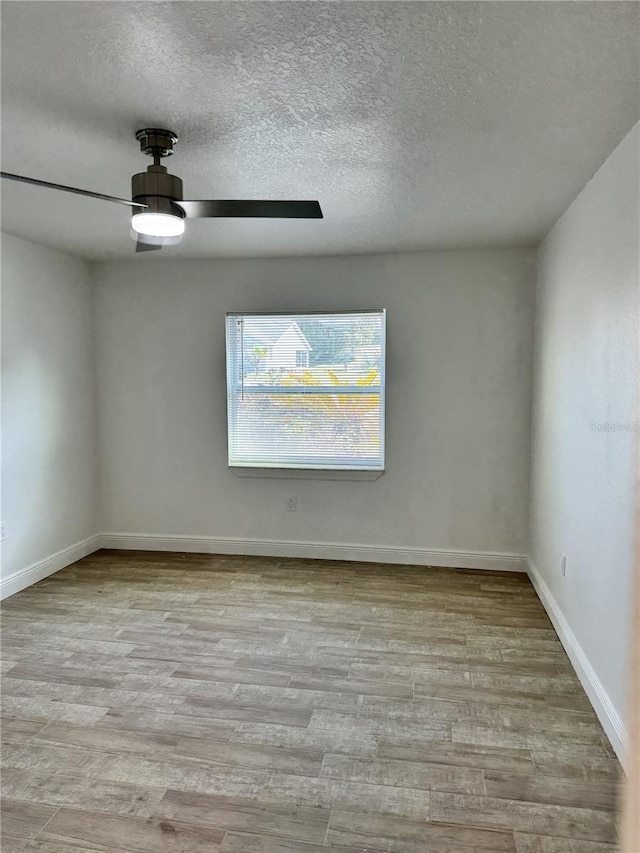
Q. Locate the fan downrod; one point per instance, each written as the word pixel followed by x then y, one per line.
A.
pixel 156 143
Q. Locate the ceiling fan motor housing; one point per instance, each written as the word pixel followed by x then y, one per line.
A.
pixel 158 190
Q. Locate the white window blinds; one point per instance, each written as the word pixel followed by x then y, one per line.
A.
pixel 306 390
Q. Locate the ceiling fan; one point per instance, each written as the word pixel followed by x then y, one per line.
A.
pixel 159 210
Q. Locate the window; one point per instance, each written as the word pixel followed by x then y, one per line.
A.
pixel 306 390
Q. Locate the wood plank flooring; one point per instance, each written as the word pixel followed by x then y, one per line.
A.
pixel 185 703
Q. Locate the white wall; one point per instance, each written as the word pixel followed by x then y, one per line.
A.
pixel 48 448
pixel 460 330
pixel 585 421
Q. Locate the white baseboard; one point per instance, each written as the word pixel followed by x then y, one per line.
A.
pixel 43 568
pixel 606 712
pixel 316 550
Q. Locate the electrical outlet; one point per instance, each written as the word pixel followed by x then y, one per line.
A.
pixel 292 503
pixel 3 531
pixel 564 566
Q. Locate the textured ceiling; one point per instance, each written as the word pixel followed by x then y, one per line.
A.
pixel 416 125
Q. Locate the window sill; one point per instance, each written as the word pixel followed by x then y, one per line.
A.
pixel 306 474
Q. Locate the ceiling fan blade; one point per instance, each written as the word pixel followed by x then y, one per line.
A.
pixel 234 207
pixel 148 242
pixel 20 178
pixel 144 246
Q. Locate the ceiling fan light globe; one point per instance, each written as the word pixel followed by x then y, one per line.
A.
pixel 157 224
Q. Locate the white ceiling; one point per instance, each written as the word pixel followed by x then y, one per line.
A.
pixel 417 125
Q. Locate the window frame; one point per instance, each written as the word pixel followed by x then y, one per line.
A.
pixel 329 468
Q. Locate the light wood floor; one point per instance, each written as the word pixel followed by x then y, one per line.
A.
pixel 180 704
